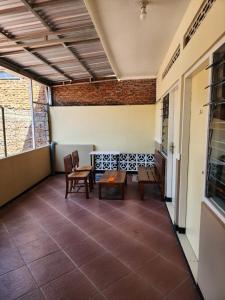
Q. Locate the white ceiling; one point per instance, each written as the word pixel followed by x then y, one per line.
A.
pixel 136 48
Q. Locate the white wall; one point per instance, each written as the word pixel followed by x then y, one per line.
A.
pixel 126 128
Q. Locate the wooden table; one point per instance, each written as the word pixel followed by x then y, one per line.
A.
pixel 113 178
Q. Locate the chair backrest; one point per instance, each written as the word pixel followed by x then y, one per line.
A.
pixel 75 159
pixel 68 166
pixel 160 167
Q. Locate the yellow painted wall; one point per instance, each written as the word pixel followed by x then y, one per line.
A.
pixel 197 157
pixel 211 256
pixel 20 172
pixel 209 32
pixel 128 128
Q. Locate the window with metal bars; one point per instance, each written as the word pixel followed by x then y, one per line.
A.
pixel 165 121
pixel 197 21
pixel 215 187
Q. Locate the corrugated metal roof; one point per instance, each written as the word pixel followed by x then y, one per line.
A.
pixel 53 41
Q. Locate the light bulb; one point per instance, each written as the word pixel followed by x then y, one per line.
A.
pixel 143 6
pixel 143 13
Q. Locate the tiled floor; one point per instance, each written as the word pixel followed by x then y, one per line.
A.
pixel 52 248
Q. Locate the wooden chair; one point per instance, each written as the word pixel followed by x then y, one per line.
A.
pixel 73 179
pixel 76 166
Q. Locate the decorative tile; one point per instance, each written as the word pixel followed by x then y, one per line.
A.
pixel 127 161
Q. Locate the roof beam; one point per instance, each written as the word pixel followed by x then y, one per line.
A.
pixel 36 6
pixel 44 22
pixel 42 59
pixel 8 64
pixel 51 27
pixel 45 34
pixel 85 80
pixel 47 43
pixel 57 69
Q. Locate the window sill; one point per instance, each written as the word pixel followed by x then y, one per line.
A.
pixel 213 207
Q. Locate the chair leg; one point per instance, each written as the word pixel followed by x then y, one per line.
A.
pixel 86 189
pixel 71 185
pixel 141 187
pixel 161 193
pixel 91 182
pixel 67 187
pixel 93 176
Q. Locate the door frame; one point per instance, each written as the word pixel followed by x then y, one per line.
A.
pixel 169 170
pixel 185 136
pixel 185 132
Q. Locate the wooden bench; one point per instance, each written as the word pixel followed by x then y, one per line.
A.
pixel 153 175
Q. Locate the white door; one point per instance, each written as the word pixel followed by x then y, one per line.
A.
pixel 197 157
pixel 172 148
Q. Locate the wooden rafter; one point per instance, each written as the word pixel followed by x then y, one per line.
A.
pixel 52 28
pixel 39 57
pixel 6 63
pixel 46 34
pixel 46 43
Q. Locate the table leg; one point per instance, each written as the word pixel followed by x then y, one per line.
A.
pixel 141 187
pixel 122 191
pixel 117 162
pixel 99 191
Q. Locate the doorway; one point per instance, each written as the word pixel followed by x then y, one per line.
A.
pixel 170 145
pixel 196 156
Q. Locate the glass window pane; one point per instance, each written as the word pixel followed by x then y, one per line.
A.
pixel 41 124
pixel 216 162
pixel 165 120
pixel 18 130
pixel 215 187
pixel 40 107
pixel 16 103
pixel 39 93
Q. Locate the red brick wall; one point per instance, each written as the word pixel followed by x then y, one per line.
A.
pixel 111 92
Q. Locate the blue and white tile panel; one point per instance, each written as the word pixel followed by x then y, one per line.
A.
pixel 127 161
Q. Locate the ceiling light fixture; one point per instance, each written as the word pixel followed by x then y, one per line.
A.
pixel 143 4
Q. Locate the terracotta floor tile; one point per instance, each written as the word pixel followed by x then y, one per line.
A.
pixel 173 253
pixel 16 283
pixel 67 235
pixel 84 251
pixel 167 228
pixel 114 217
pixel 10 259
pixel 105 270
pixel 186 291
pixel 27 236
pixel 71 286
pixel 93 225
pixel 5 241
pixel 34 295
pixel 163 275
pixel 50 267
pixel 97 297
pixel 131 287
pixel 146 261
pixel 110 238
pixel 15 224
pixel 134 254
pixel 37 249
